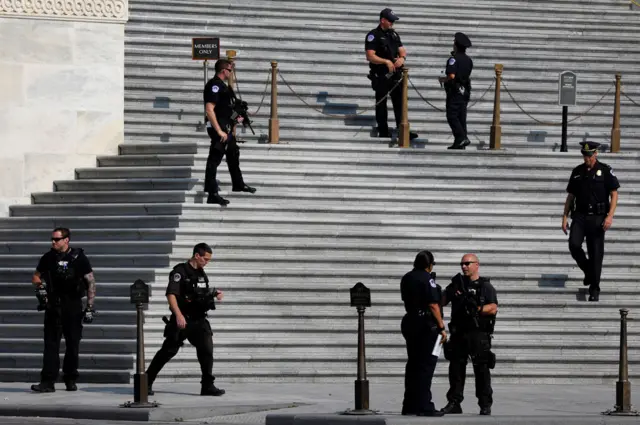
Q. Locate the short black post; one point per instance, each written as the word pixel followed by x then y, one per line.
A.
pixel 565 113
pixel 361 299
pixel 361 383
pixel 139 293
pixel 623 386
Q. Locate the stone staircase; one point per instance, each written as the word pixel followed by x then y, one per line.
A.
pixel 335 207
pixel 319 48
pixel 323 219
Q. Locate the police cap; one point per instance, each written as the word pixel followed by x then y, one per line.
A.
pixel 461 39
pixel 389 15
pixel 589 148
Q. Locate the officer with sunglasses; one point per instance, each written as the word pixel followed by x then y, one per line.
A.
pixel 62 277
pixel 474 305
pixel 219 99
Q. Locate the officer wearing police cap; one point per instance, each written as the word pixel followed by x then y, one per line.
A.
pixel 386 56
pixel 457 84
pixel 420 328
pixel 592 199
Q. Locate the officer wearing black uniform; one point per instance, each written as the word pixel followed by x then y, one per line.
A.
pixel 190 297
pixel 457 84
pixel 420 328
pixel 474 305
pixel 62 277
pixel 386 56
pixel 592 197
pixel 220 121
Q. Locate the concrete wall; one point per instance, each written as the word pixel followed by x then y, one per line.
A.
pixel 61 97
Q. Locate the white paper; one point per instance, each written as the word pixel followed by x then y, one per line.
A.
pixel 438 347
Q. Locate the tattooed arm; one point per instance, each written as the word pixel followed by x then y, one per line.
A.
pixel 91 288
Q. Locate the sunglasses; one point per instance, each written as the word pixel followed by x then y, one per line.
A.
pixel 57 239
pixel 466 263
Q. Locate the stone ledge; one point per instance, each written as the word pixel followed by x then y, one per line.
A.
pixel 75 10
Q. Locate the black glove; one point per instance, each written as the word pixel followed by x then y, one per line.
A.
pixel 89 312
pixel 41 294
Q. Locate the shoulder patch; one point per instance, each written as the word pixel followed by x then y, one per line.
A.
pixel 215 89
pixel 370 37
pixel 177 277
pixel 451 61
pixel 432 283
pixel 611 171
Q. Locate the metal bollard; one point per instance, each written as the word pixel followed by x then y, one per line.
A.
pixel 623 386
pixel 496 128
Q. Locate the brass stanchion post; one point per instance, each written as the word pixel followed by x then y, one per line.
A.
pixel 496 128
pixel 615 129
pixel 403 131
pixel 623 386
pixel 274 123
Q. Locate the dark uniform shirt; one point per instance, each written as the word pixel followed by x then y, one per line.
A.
pixel 222 96
pixel 184 283
pixel 591 188
pixel 64 272
pixel 386 45
pixel 485 294
pixel 418 290
pixel 461 65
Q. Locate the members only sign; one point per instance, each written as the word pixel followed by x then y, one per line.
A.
pixel 205 48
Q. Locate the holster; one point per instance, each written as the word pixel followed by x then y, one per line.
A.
pixel 171 330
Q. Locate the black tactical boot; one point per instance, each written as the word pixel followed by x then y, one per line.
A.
pixel 212 390
pixel 43 387
pixel 71 385
pixel 451 408
pixel 244 188
pixel 214 198
pixel 485 411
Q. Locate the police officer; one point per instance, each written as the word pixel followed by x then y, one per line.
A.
pixel 189 297
pixel 457 84
pixel 61 278
pixel 474 305
pixel 219 100
pixel 593 197
pixel 421 326
pixel 386 56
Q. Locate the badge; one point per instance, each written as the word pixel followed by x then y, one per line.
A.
pixel 215 89
pixel 370 37
pixel 451 61
pixel 432 283
pixel 599 173
pixel 177 277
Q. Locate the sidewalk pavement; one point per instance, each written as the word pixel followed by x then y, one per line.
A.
pixel 311 404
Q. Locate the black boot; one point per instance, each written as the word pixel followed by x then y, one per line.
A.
pixel 43 387
pixel 71 385
pixel 485 411
pixel 413 135
pixel 451 408
pixel 245 188
pixel 460 145
pixel 214 198
pixel 212 390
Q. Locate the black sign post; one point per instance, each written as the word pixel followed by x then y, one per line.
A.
pixel 361 299
pixel 567 90
pixel 205 49
pixel 139 294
